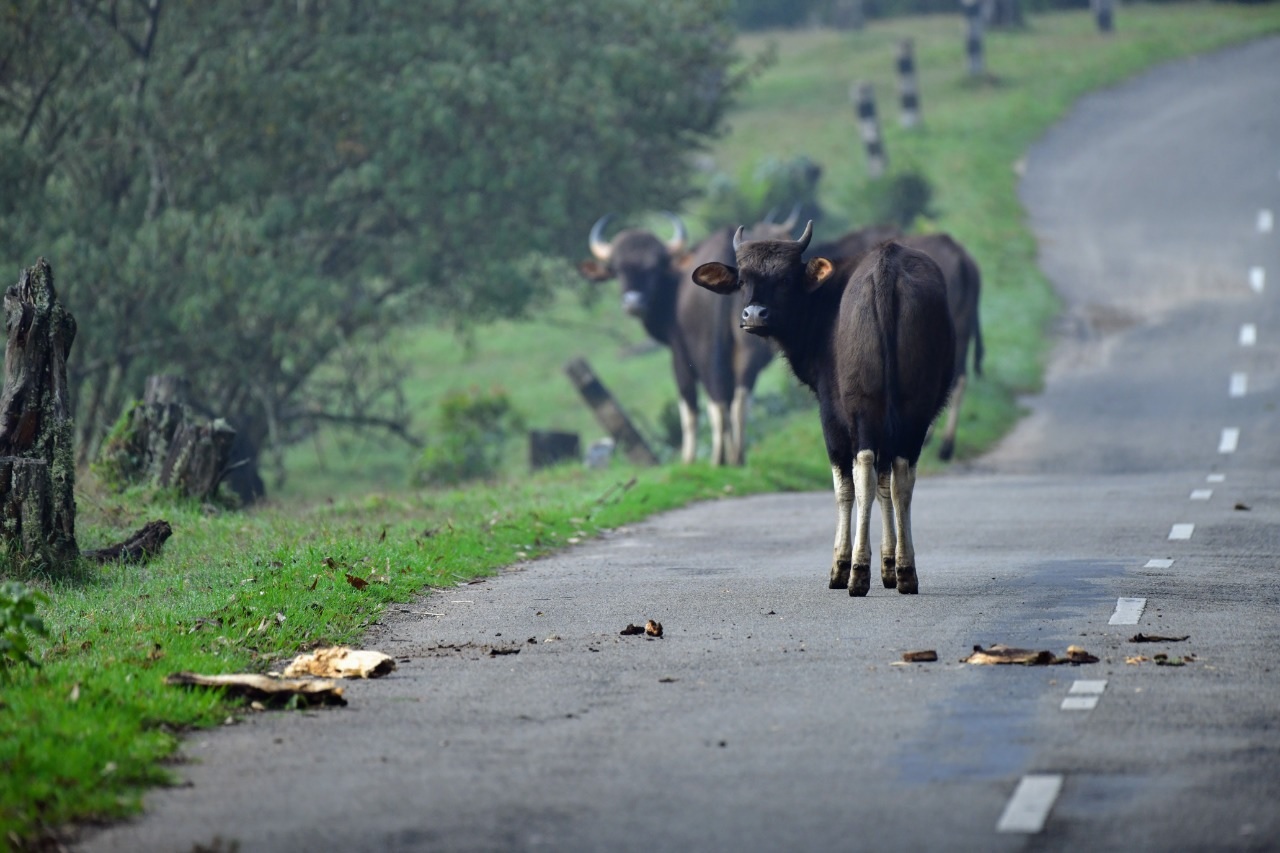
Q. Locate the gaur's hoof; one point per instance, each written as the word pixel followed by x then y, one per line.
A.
pixel 839 575
pixel 860 582
pixel 946 450
pixel 888 575
pixel 908 583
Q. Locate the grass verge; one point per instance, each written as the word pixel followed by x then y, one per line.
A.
pixel 84 735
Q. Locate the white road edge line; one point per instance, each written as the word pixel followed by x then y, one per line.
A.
pixel 1159 563
pixel 1182 531
pixel 1028 808
pixel 1128 611
pixel 1239 384
pixel 1201 494
pixel 1257 279
pixel 1248 335
pixel 1230 440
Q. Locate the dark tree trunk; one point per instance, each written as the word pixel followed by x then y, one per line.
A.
pixel 37 445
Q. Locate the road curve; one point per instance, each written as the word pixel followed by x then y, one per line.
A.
pixel 772 714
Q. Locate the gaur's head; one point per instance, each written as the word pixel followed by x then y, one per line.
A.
pixel 643 264
pixel 774 278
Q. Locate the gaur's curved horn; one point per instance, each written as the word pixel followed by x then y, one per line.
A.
pixel 768 217
pixel 737 238
pixel 600 247
pixel 806 236
pixel 793 218
pixel 678 240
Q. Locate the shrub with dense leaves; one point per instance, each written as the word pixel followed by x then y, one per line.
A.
pixel 17 618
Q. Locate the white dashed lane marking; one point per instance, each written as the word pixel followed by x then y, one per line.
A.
pixel 1159 563
pixel 1216 478
pixel 1230 440
pixel 1182 531
pixel 1201 494
pixel 1029 807
pixel 1084 695
pixel 1265 221
pixel 1257 279
pixel 1248 335
pixel 1128 611
pixel 1239 384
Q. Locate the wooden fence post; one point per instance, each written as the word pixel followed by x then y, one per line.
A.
pixel 1104 14
pixel 864 101
pixel 908 89
pixel 973 40
pixel 609 413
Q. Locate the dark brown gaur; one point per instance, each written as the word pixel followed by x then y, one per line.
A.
pixel 872 337
pixel 707 346
pixel 964 288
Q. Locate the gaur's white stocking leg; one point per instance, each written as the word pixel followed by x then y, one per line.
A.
pixel 716 415
pixel 688 432
pixel 840 561
pixel 948 445
pixel 888 531
pixel 864 493
pixel 738 411
pixel 904 483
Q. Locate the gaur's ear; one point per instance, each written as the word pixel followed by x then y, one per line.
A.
pixel 594 271
pixel 717 277
pixel 816 273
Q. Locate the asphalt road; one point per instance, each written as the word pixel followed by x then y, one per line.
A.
pixel 772 716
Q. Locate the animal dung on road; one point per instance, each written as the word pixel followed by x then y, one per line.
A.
pixel 650 629
pixel 1156 638
pixel 1001 654
pixel 340 662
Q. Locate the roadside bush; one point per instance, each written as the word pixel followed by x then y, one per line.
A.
pixel 17 617
pixel 469 439
pixel 774 187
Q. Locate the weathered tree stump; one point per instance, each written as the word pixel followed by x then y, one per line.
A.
pixel 167 443
pixel 37 453
pixel 551 447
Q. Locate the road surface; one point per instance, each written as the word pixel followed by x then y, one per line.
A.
pixel 1139 496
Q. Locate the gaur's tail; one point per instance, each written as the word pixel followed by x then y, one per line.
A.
pixel 974 275
pixel 885 302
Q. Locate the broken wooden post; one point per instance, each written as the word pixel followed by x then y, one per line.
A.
pixel 864 101
pixel 1104 15
pixel 908 89
pixel 973 39
pixel 37 452
pixel 609 413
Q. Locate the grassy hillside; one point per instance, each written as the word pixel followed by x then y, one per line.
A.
pixel 83 736
pixel 973 136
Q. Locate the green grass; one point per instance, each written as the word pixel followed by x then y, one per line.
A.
pixel 83 736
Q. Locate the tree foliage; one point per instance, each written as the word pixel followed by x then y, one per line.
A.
pixel 250 193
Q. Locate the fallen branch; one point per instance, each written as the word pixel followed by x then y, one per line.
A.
pixel 141 546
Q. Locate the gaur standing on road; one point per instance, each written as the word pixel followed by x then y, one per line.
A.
pixel 873 339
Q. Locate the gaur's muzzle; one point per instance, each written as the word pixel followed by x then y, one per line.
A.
pixel 633 303
pixel 755 319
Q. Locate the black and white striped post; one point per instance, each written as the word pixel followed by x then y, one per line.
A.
pixel 864 101
pixel 907 89
pixel 1104 14
pixel 973 41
